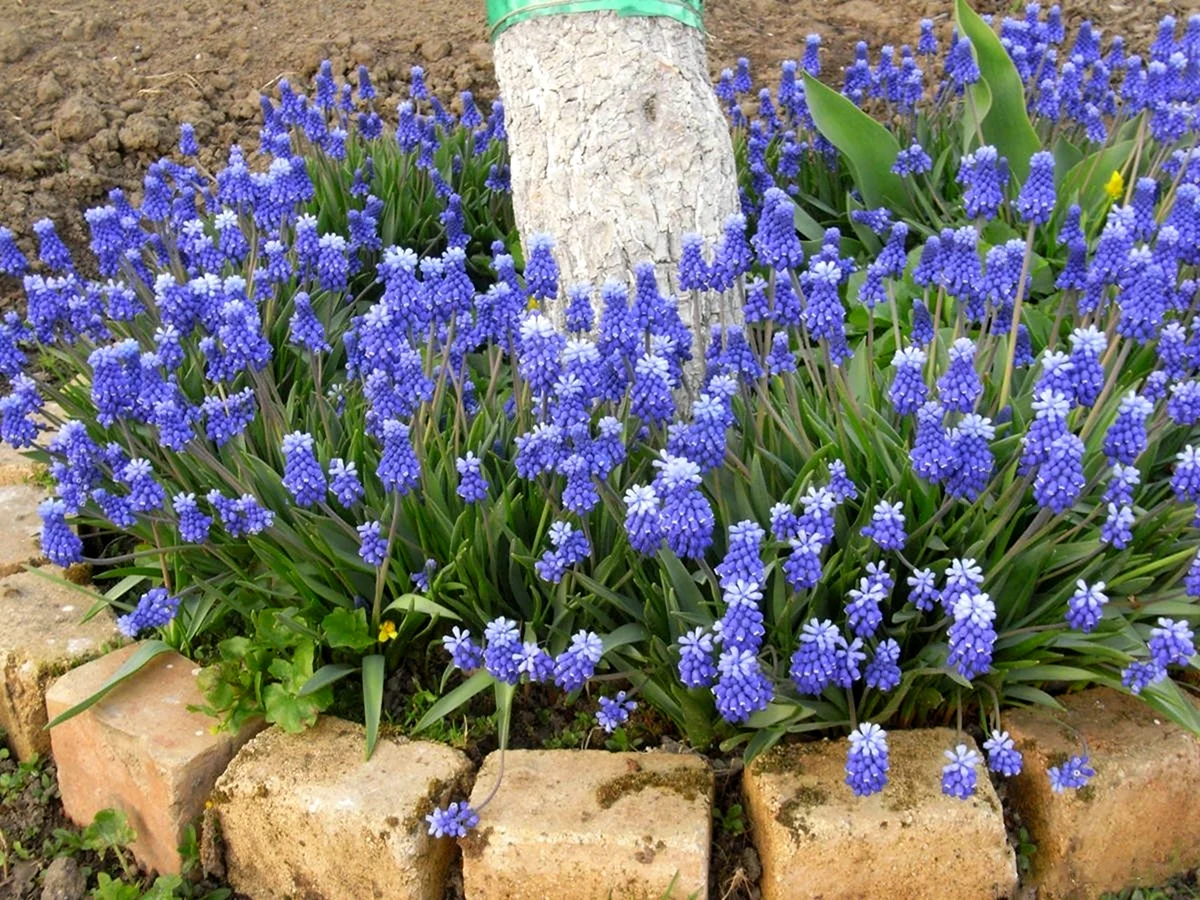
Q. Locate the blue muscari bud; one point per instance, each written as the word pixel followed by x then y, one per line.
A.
pixel 984 176
pixel 1085 606
pixel 959 775
pixel 960 387
pixel 1060 478
pixel 972 635
pixel 908 391
pixel 1075 773
pixel 373 546
pixel 1003 756
pixel 867 762
pixel 742 687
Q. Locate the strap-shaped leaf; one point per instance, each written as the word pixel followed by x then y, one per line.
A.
pixel 324 676
pixel 1006 125
pixel 146 652
pixel 456 698
pixel 372 680
pixel 421 604
pixel 869 148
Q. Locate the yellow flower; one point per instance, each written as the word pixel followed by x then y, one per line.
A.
pixel 1115 186
pixel 532 304
pixel 387 631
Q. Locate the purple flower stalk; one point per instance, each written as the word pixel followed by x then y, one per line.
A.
pixel 959 775
pixel 867 762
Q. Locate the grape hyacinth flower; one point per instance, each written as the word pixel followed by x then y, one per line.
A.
pixel 883 672
pixel 155 609
pixel 959 775
pixel 1036 201
pixel 614 712
pixel 887 527
pixel 815 663
pixel 741 626
pixel 1126 438
pixel 453 821
pixel 972 460
pixel 908 391
pixel 931 454
pixel 867 762
pixel 802 569
pixel 973 635
pixel 1085 606
pixel 500 650
pixel 1140 674
pixel 302 474
pixel 743 560
pixel 344 483
pixel 1075 773
pixel 145 494
pixel 1171 643
pixel 399 469
pixel 862 612
pixel 373 546
pixel 193 524
pixel 696 668
pixel 575 665
pixel 1185 481
pixel 961 386
pixel 472 486
pixel 840 485
pixel 643 519
pixel 923 590
pixel 1060 479
pixel 1003 756
pixel 1117 528
pixel 742 688
pixel 984 176
pixel 465 654
pixel 61 545
pixel 912 161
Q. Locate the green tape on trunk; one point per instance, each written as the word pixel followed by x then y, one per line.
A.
pixel 504 13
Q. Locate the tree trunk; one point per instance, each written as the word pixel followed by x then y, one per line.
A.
pixel 618 146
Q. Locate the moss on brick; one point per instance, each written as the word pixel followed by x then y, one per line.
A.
pixel 687 783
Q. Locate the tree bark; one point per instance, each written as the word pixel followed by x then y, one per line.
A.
pixel 617 145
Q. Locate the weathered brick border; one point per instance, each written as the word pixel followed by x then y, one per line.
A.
pixel 161 762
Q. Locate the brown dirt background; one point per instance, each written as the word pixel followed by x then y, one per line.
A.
pixel 91 92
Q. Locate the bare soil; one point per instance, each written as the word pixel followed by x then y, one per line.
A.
pixel 93 91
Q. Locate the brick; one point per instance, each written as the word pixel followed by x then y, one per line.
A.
pixel 1136 823
pixel 139 750
pixel 303 815
pixel 42 638
pixel 816 839
pixel 588 823
pixel 20 527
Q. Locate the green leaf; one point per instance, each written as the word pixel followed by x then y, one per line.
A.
pixel 1085 182
pixel 504 703
pixel 109 830
pixel 421 604
pixel 347 629
pixel 325 676
pixel 144 653
pixel 456 698
pixel 372 682
pixel 289 711
pixel 869 148
pixel 1006 125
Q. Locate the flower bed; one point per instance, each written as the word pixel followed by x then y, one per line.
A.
pixel 319 398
